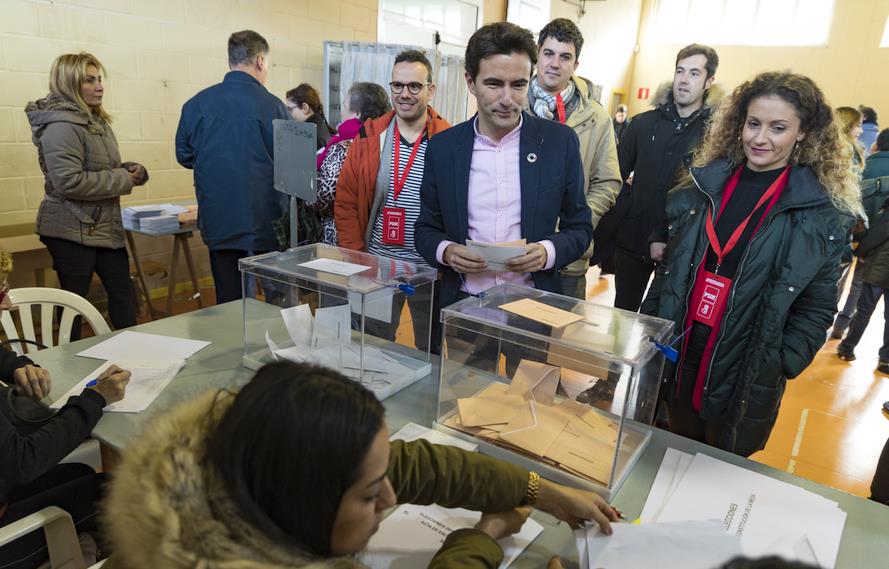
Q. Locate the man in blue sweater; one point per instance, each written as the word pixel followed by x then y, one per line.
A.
pixel 225 135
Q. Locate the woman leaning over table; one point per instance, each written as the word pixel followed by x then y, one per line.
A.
pixel 296 471
pixel 33 440
pixel 79 219
pixel 756 233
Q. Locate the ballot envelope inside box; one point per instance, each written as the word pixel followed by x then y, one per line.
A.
pixel 555 384
pixel 337 308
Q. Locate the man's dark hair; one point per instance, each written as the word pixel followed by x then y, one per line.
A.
pixel 562 30
pixel 244 46
pixel 297 434
pixel 883 140
pixel 415 56
pixel 698 49
pixel 868 114
pixel 369 100
pixel 500 38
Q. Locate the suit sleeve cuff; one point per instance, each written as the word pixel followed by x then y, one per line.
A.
pixel 439 253
pixel 550 254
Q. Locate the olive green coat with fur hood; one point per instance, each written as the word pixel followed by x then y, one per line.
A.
pixel 781 305
pixel 84 177
pixel 167 510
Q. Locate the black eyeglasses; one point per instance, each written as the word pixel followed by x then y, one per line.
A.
pixel 413 87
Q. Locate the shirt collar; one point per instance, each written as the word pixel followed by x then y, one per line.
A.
pixel 513 134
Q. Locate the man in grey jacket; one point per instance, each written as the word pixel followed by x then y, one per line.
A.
pixel 556 93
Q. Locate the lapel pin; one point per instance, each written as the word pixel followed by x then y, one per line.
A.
pixel 532 158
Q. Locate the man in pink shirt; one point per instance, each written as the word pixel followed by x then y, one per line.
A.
pixel 501 176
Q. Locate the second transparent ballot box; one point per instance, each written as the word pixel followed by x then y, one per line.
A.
pixel 366 316
pixel 552 383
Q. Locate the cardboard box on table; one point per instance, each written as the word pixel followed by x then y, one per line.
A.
pixel 550 382
pixel 335 307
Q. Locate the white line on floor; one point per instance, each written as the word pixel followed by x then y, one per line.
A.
pixel 804 416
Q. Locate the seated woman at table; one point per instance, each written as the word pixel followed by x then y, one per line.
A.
pixel 33 440
pixel 296 470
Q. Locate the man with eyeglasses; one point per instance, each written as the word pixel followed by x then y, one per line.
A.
pixel 378 192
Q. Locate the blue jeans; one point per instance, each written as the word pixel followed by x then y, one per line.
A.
pixel 867 302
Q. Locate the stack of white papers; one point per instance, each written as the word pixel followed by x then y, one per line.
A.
pixel 674 545
pixel 159 224
pixel 137 346
pixel 147 381
pixel 411 535
pixel 144 217
pixel 771 517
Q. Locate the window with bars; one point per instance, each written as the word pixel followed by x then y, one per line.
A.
pixel 741 22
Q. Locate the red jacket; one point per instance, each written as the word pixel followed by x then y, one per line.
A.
pixel 357 183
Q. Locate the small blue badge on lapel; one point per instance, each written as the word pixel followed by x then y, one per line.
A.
pixel 532 158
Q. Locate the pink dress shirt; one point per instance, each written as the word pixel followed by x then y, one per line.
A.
pixel 494 201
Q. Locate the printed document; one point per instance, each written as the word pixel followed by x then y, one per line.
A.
pixel 333 266
pixel 147 381
pixel 497 254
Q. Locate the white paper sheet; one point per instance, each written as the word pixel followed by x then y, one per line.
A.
pixel 495 255
pixel 411 535
pixel 768 514
pixel 136 346
pixel 147 381
pixel 332 324
pixel 413 432
pixel 336 267
pixel 378 308
pixel 677 545
pixel 673 468
pixel 299 323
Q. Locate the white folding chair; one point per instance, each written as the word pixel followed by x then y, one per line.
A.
pixel 48 300
pixel 61 537
pixel 72 305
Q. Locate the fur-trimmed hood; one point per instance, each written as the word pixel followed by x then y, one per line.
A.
pixel 165 509
pixel 52 109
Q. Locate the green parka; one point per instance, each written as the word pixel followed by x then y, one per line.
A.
pixel 782 302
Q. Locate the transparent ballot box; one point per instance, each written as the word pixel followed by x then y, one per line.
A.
pixel 552 383
pixel 341 309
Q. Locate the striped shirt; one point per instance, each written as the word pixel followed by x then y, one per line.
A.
pixel 408 199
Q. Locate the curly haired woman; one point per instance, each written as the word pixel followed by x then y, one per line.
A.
pixel 756 232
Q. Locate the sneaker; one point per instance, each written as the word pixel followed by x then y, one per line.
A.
pixel 845 356
pixel 883 367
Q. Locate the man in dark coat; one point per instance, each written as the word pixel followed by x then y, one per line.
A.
pixel 225 135
pixel 653 149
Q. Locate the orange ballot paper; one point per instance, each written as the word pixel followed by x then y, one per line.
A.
pixel 543 313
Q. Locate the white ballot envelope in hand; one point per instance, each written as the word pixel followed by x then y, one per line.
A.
pixel 497 254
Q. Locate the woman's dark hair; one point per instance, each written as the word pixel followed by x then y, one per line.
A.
pixel 500 38
pixel 369 100
pixel 306 94
pixel 883 140
pixel 289 447
pixel 771 562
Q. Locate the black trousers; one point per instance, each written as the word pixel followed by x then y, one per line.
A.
pixel 631 276
pixel 76 488
pixel 226 276
pixel 879 487
pixel 425 325
pixel 75 264
pixel 684 419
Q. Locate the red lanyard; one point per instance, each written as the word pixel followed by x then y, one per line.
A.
pixel 722 252
pixel 399 181
pixel 560 108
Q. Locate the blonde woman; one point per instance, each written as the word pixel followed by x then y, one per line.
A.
pixel 850 123
pixel 79 219
pixel 756 233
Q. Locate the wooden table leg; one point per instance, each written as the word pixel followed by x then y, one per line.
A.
pixel 171 284
pixel 189 261
pixel 145 290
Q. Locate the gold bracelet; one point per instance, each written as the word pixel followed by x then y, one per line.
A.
pixel 533 489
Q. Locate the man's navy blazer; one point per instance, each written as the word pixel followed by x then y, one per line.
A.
pixel 552 185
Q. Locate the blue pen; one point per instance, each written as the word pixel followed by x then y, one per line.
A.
pixel 93 382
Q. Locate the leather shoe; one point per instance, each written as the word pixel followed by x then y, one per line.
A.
pixel 846 356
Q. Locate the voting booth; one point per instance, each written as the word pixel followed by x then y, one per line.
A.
pixel 552 383
pixel 340 309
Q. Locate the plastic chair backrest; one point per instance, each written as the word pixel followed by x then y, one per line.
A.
pixel 61 537
pixel 48 299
